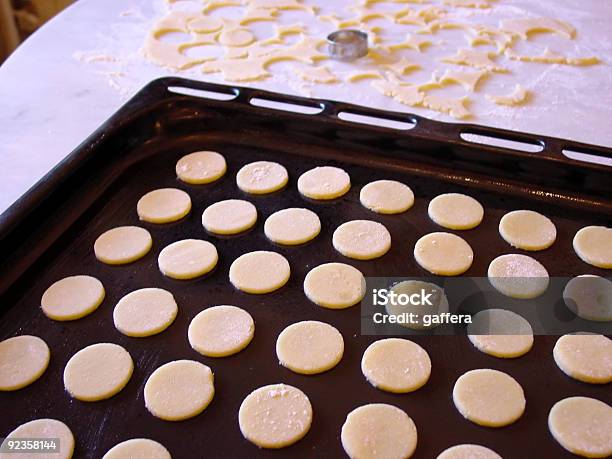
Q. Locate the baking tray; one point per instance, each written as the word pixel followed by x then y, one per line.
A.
pixel 49 234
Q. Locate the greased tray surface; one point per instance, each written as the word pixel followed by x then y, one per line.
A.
pixel 139 155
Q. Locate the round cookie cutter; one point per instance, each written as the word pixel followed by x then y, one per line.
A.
pixel 347 44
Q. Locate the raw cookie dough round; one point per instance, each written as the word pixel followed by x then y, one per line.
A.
pixel 259 272
pixel 122 245
pixel 201 167
pixel 500 333
pixel 444 254
pixel 589 297
pixel 72 297
pixel 262 177
pixel 518 276
pixel 387 197
pixel 138 448
pixel 593 244
pixel 23 359
pixel 44 429
pixel 396 365
pixel 179 390
pixel 455 211
pixel 98 372
pixel 362 239
pixel 587 358
pixel 145 312
pixel 489 398
pixel 231 216
pixel 335 285
pixel 292 226
pixel 164 205
pixel 439 304
pixel 582 425
pixel 378 430
pixel 221 331
pixel 275 416
pixel 187 259
pixel 309 347
pixel 468 451
pixel 324 183
pixel 527 230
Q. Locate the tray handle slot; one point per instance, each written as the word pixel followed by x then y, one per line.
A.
pixel 499 140
pixel 283 105
pixel 587 155
pixel 204 93
pixel 403 125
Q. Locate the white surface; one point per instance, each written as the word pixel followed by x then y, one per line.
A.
pixel 53 98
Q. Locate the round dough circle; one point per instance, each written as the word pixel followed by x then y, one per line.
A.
pixel 138 448
pixel 145 312
pixel 335 285
pixel 275 416
pixel 438 299
pixel 527 230
pixel 231 216
pixel 23 359
pixel 386 197
pixel 589 297
pixel 259 272
pixel 72 297
pixel 309 347
pixel 262 177
pixel 444 254
pixel 455 211
pixel 201 167
pixel 164 205
pixel 396 365
pixel 582 425
pixel 292 226
pixel 187 259
pixel 324 183
pixel 587 358
pixel 378 430
pixel 489 398
pixel 221 331
pixel 179 390
pixel 122 245
pixel 44 428
pixel 593 244
pixel 98 372
pixel 500 333
pixel 468 451
pixel 518 276
pixel 362 239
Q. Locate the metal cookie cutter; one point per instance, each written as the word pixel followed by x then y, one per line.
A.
pixel 347 44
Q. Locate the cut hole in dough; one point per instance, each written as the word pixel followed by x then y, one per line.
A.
pixel 292 226
pixel 179 390
pixel 387 197
pixel 275 416
pixel 187 259
pixel 231 216
pixel 43 429
pixel 145 312
pixel 527 230
pixel 72 297
pixel 468 451
pixel 593 244
pixel 378 430
pixel 518 276
pixel 98 372
pixel 500 333
pixel 164 205
pixel 324 183
pixel 335 285
pixel 587 358
pixel 416 312
pixel 138 448
pixel 589 297
pixel 362 239
pixel 455 211
pixel 444 254
pixel 221 331
pixel 122 245
pixel 23 359
pixel 262 177
pixel 309 347
pixel 201 167
pixel 259 272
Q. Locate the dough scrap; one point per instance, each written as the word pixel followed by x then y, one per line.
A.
pixel 98 372
pixel 316 74
pixel 396 365
pixel 411 42
pixel 324 183
pixel 362 239
pixel 589 297
pixel 231 216
pixel 378 430
pixel 335 285
pixel 309 347
pixel 262 177
pixel 527 230
pixel 582 425
pixel 593 244
pixel 179 390
pixel 518 276
pixel 468 451
pixel 469 80
pixel 483 4
pixel 201 167
pixel 524 27
pixel 518 96
pixel 489 398
pixel 138 448
pixel 438 299
pixel 454 107
pixel 500 333
pixel 275 416
pixel 23 359
pixel 444 254
pixel 122 245
pixel 551 57
pixel 187 259
pixel 220 331
pixel 387 197
pixel 72 297
pixel 145 312
pixel 407 94
pixel 473 58
pixel 43 428
pixel 259 272
pixel 587 358
pixel 455 211
pixel 402 66
pixel 163 205
pixel 292 226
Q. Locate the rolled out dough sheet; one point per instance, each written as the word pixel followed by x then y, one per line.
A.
pixel 72 297
pixel 23 359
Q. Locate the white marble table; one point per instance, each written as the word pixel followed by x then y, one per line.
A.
pixel 79 68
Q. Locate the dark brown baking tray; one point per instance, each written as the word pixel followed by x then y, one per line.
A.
pixel 49 234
